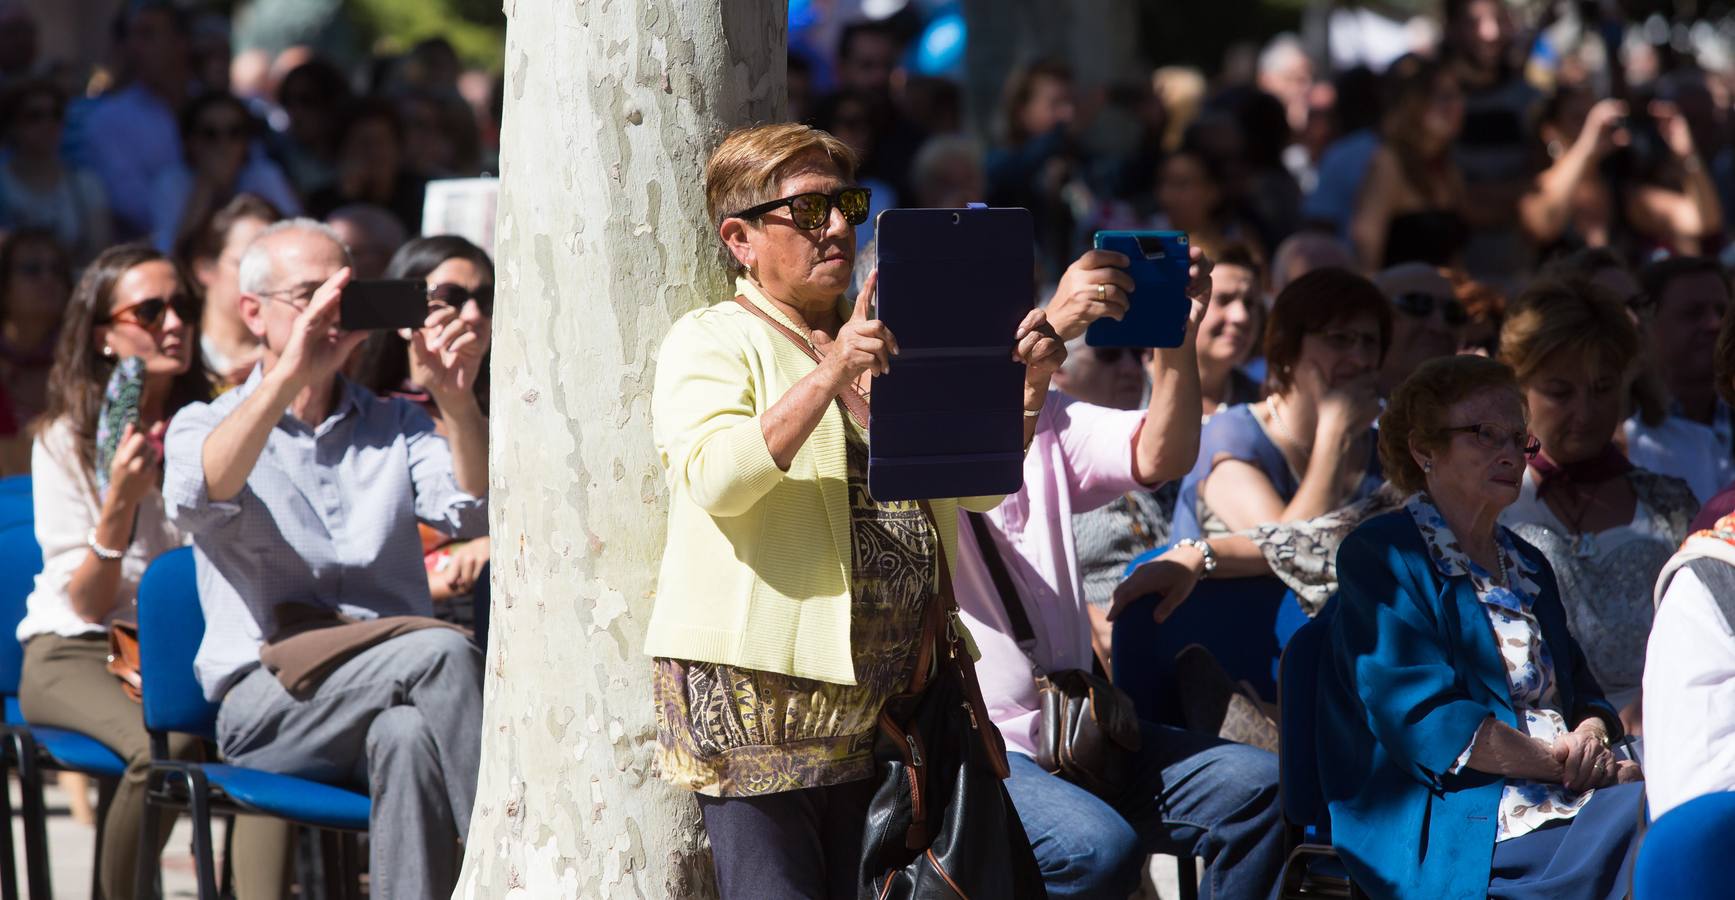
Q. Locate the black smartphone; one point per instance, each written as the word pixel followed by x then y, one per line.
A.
pixel 383 304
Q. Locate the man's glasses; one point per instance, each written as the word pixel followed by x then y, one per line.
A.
pixel 149 314
pixel 456 295
pixel 296 296
pixel 812 210
pixel 1421 305
pixel 1490 436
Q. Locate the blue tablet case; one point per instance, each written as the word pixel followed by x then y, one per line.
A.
pixel 1158 306
pixel 947 420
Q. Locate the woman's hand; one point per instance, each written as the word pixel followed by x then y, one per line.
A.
pixel 1604 128
pixel 862 345
pixel 1674 128
pixel 1584 762
pixel 1172 576
pixel 1039 348
pixel 445 354
pixel 1077 301
pixel 1198 285
pixel 134 473
pixel 464 565
pixel 1346 410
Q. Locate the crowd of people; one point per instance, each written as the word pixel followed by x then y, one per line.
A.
pixel 178 231
pixel 1456 374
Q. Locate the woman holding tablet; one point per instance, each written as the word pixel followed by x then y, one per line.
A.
pixel 789 601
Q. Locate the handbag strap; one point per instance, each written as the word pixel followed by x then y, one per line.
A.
pixel 1007 591
pixel 851 396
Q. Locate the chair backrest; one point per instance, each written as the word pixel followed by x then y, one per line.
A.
pixel 16 509
pixel 15 484
pixel 1244 622
pixel 1684 851
pixel 1297 696
pixel 20 561
pixel 171 625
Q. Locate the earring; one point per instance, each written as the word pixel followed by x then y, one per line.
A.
pixel 1427 467
pixel 108 351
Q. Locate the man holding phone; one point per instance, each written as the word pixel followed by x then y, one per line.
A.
pixel 302 488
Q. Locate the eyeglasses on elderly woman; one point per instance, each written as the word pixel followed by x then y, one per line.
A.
pixel 1491 436
pixel 812 210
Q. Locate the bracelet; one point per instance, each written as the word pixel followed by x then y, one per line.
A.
pixel 1033 413
pixel 101 552
pixel 1204 550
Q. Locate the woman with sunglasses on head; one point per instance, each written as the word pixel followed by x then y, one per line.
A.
pixel 131 304
pixel 1605 526
pixel 37 188
pixel 459 275
pixel 1308 447
pixel 790 600
pixel 1464 741
pixel 219 162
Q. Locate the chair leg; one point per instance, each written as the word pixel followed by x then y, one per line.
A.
pixel 35 819
pixel 105 788
pixel 150 859
pixel 226 878
pixel 1187 874
pixel 8 852
pixel 204 857
pixel 331 866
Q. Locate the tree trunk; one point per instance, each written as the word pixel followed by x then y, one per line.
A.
pixel 611 109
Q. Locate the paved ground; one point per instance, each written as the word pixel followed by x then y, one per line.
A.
pixel 70 845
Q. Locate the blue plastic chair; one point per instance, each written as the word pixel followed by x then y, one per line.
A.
pixel 15 484
pixel 16 508
pixel 1683 852
pixel 1313 868
pixel 1244 622
pixel 33 749
pixel 171 625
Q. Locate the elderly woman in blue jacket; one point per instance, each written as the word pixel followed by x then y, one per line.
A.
pixel 1465 745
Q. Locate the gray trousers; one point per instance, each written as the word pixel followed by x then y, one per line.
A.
pixel 403 718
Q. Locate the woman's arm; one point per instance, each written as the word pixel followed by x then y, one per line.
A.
pixel 1175 573
pixel 1545 210
pixel 1500 749
pixel 1374 209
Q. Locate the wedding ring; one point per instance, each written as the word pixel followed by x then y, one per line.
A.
pixel 1102 293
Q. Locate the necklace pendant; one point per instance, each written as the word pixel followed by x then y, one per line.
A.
pixel 1584 546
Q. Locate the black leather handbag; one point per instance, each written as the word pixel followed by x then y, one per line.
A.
pixel 1088 732
pixel 941 825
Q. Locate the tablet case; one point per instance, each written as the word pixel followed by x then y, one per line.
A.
pixel 1157 312
pixel 947 420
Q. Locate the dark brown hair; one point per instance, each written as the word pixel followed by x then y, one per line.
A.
pixel 1417 409
pixel 1313 303
pixel 81 372
pixel 28 237
pixel 205 239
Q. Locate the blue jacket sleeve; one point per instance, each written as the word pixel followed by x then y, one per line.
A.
pixel 1388 633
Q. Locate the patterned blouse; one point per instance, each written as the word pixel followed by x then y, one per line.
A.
pixel 1524 805
pixel 733 732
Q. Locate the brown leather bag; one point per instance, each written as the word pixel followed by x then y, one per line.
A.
pixel 1088 730
pixel 123 657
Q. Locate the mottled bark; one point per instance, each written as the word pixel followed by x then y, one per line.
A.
pixel 611 108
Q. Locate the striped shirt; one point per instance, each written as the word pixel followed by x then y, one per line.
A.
pixel 327 517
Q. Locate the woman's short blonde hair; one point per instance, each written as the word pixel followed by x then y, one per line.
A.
pixel 1572 315
pixel 751 162
pixel 1417 409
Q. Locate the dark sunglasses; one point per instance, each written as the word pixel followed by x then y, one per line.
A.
pixel 456 295
pixel 1421 305
pixel 34 269
pixel 1110 356
pixel 231 133
pixel 149 314
pixel 812 210
pixel 1490 436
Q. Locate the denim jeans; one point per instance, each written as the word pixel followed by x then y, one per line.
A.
pixel 1194 795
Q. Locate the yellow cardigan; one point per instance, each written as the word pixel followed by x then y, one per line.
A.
pixel 756 569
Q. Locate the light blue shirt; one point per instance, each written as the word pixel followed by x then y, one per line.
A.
pixel 327 517
pixel 1342 169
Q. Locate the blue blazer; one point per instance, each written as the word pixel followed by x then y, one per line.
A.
pixel 1412 671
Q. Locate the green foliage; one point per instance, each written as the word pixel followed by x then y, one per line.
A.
pixel 475 28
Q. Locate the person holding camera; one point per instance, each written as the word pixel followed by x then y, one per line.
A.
pixel 1020 587
pixel 302 492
